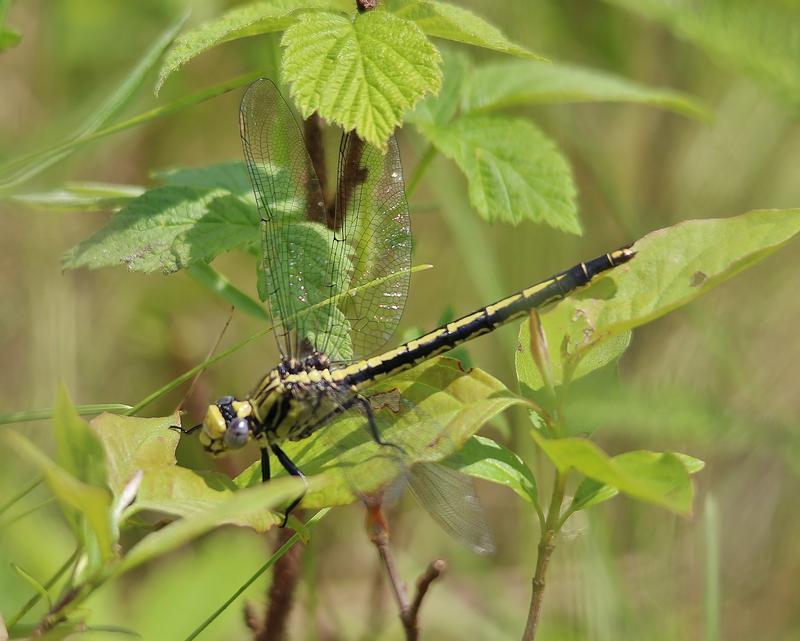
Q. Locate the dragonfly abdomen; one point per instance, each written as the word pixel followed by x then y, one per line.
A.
pixel 483 321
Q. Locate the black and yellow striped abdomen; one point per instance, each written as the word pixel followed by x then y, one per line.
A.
pixel 483 321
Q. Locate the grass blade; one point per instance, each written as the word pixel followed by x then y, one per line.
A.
pixel 43 414
pixel 295 538
pixel 142 118
pixel 222 287
pixel 32 164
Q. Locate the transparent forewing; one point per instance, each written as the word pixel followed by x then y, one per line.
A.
pixel 298 275
pixel 371 224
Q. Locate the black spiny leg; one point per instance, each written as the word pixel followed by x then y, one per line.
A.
pixel 264 465
pixel 363 401
pixel 293 470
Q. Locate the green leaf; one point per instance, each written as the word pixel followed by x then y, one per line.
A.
pixel 147 447
pixel 81 197
pixel 441 108
pixel 443 20
pixel 243 21
pixel 485 459
pixel 526 82
pixel 8 39
pixel 514 171
pixel 226 175
pixel 169 228
pixel 672 267
pixel 449 406
pixel 651 466
pixel 30 165
pixel 760 39
pixel 527 371
pixel 35 584
pixel 91 502
pixel 241 506
pixel 79 451
pixel 661 479
pixel 360 73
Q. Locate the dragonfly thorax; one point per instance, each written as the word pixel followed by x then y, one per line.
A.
pixel 291 402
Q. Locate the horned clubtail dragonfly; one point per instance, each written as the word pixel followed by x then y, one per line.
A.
pixel 336 280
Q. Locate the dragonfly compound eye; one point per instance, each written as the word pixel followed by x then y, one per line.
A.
pixel 225 400
pixel 237 433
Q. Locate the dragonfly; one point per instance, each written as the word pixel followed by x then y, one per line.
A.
pixel 336 278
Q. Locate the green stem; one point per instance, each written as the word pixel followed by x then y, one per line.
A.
pixel 147 116
pixel 40 415
pixel 21 494
pixel 22 515
pixel 422 166
pixel 295 538
pixel 37 597
pixel 546 546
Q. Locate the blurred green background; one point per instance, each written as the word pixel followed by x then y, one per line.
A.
pixel 717 380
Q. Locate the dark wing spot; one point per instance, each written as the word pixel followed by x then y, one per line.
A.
pixel 698 278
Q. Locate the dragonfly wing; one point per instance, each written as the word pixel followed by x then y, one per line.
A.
pixel 371 222
pixel 414 443
pixel 297 245
pixel 450 498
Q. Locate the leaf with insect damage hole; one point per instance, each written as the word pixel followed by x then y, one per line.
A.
pixel 362 73
pixel 672 267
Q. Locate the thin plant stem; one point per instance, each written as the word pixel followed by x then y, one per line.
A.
pixel 547 543
pixel 37 597
pixel 21 494
pixel 270 562
pixel 27 512
pixel 422 166
pixel 378 529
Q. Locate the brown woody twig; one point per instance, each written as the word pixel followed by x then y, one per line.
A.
pixel 281 592
pixel 378 529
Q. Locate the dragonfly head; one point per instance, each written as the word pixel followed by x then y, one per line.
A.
pixel 228 425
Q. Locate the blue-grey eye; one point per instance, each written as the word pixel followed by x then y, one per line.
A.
pixel 225 400
pixel 237 433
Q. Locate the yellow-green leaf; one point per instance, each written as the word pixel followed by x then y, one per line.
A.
pixel 362 73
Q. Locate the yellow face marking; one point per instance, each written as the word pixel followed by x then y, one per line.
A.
pixel 243 409
pixel 214 424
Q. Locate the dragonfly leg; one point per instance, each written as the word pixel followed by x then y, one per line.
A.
pixel 264 465
pixel 191 430
pixel 294 471
pixel 372 424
